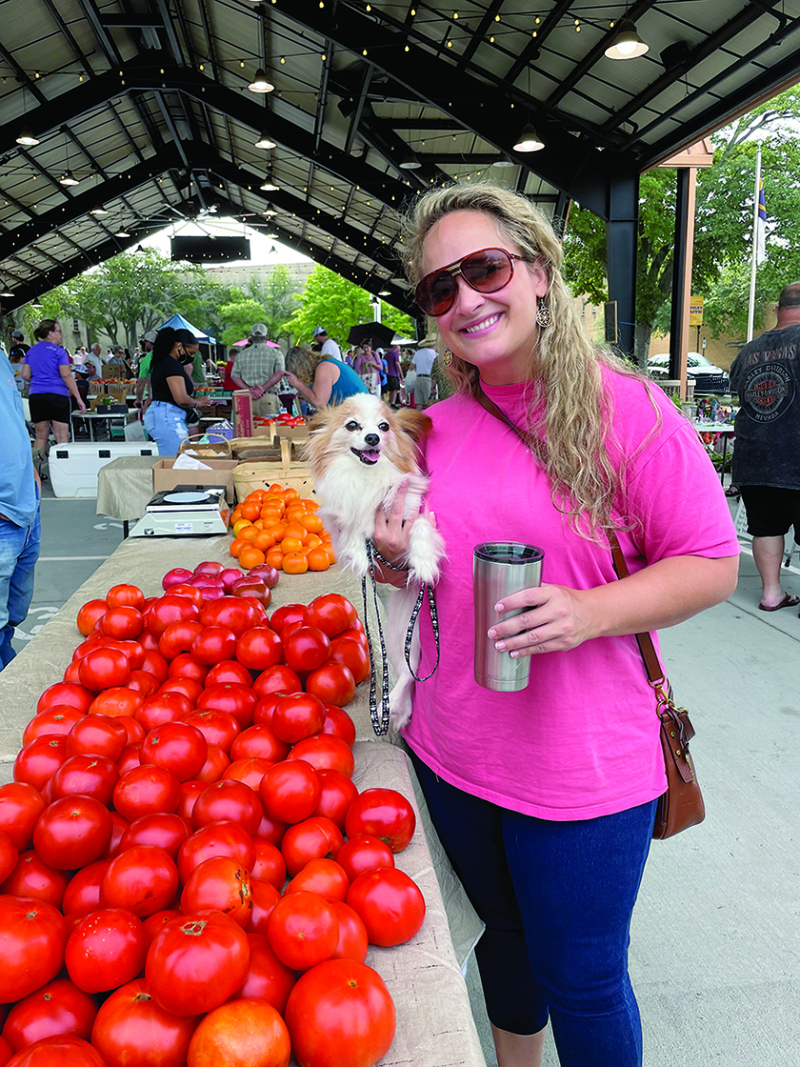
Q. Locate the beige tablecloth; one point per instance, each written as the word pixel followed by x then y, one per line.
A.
pixel 125 487
pixel 435 1026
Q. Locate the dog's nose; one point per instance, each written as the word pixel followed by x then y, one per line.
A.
pixel 372 439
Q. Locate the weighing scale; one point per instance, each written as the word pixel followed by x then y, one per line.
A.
pixel 185 511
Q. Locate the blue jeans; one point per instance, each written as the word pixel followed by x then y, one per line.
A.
pixel 166 424
pixel 557 899
pixel 19 550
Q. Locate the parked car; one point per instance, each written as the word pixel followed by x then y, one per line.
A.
pixel 707 378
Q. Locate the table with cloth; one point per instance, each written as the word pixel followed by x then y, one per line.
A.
pixel 434 1021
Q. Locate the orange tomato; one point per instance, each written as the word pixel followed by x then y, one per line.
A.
pixel 236 547
pixel 275 558
pixel 276 529
pixel 251 557
pixel 312 523
pixel 264 541
pixel 290 494
pixel 314 541
pixel 294 529
pixel 329 549
pixel 293 563
pixel 291 544
pixel 318 560
pixel 240 524
pixel 250 510
pixel 249 533
pixel 276 487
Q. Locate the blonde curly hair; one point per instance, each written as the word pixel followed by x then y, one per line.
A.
pixel 569 435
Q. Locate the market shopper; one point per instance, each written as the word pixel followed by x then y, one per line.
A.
pixel 48 371
pixel 172 392
pixel 367 366
pixel 143 371
pixel 320 379
pixel 259 369
pixel 545 798
pixel 766 460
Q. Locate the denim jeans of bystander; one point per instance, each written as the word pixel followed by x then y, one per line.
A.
pixel 19 550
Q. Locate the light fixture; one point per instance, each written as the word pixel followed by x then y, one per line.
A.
pixel 98 209
pixel 36 302
pixel 259 84
pixel 269 210
pixel 504 163
pixel 410 163
pixel 273 251
pixel 269 185
pixel 265 141
pixel 627 43
pixel 384 292
pixel 529 140
pixel 4 291
pixel 139 248
pixel 68 179
pixel 26 138
pixel 122 232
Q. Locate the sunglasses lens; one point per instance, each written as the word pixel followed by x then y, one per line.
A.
pixel 436 292
pixel 487 271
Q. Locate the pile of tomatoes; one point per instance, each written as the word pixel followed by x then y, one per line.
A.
pixel 196 756
pixel 278 527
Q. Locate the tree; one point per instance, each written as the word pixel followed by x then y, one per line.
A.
pixel 238 317
pixel 277 299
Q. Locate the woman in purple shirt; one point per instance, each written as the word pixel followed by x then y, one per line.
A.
pixel 394 375
pixel 51 384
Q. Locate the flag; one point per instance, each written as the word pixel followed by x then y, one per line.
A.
pixel 761 226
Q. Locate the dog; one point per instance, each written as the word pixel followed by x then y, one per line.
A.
pixel 361 452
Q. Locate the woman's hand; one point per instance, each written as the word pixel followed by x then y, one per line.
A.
pixel 392 537
pixel 555 620
pixel 204 401
pixel 81 406
pixel 294 381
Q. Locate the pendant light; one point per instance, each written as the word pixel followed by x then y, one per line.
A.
pixel 259 84
pixel 627 43
pixel 26 138
pixel 529 140
pixel 265 141
pixel 269 185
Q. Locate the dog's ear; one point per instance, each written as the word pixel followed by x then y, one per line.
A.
pixel 412 422
pixel 316 422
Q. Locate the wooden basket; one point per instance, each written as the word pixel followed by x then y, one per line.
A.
pixel 249 476
pixel 217 449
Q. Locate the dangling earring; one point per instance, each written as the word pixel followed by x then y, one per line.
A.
pixel 543 315
pixel 447 357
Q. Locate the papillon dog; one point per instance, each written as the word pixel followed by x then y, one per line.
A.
pixel 361 452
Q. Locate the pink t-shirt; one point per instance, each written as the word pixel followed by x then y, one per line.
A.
pixel 582 739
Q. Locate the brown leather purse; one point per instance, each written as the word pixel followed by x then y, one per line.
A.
pixel 681 806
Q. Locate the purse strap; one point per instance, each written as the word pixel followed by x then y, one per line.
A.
pixel 647 649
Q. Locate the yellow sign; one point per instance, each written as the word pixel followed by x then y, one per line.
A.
pixel 695 311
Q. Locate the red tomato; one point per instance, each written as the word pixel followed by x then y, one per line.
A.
pixel 124 700
pixel 32 877
pixel 176 747
pixel 333 683
pixel 267 978
pixel 57 720
pixel 228 672
pixel 270 830
pixel 106 949
pixel 339 724
pixel 124 623
pixel 340 1012
pixel 265 708
pixel 269 865
pixel 297 716
pixel 72 672
pixel 57 1008
pixel 253 589
pixel 20 806
pixel 233 612
pixel 211 567
pixel 290 791
pixel 183 666
pixel 228 800
pixel 186 687
pixel 134 650
pixel 220 883
pixel 129 758
pixel 143 879
pixel 331 613
pixel 194 965
pixel 352 654
pixel 191 591
pixel 82 895
pixel 146 790
pixel 118 828
pixel 215 765
pixel 141 683
pixel 390 903
pixel 164 830
pixel 190 791
pixel 250 771
pixel 176 576
pixel 303 930
pixel 103 668
pixel 237 700
pixel 287 614
pixel 353 940
pixel 325 753
pixel 321 876
pixel 38 761
pixel 63 1051
pixel 90 776
pixel 125 596
pixel 168 609
pixel 218 727
pixel 259 648
pixel 133 728
pixel 77 696
pixel 277 679
pixel 265 897
pixel 132 1028
pixel 306 649
pixel 9 856
pixel 313 838
pixel 89 615
pixel 259 740
pixel 219 839
pixel 179 637
pixel 72 832
pixel 163 708
pixel 97 735
pixel 383 813
pixel 155 664
pixel 364 853
pixel 241 1033
pixel 32 938
pixel 213 644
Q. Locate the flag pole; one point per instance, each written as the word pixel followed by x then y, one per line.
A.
pixel 751 307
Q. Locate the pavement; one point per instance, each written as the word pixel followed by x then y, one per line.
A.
pixel 715 941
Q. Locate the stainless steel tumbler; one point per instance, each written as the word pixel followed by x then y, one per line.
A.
pixel 498 569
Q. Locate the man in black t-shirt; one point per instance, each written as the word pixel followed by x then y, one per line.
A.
pixel 766 459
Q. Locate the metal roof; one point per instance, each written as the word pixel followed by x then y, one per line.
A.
pixel 146 103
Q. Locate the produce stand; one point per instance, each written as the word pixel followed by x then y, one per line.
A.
pixel 435 1027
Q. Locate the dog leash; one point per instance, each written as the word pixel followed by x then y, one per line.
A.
pixel 423 589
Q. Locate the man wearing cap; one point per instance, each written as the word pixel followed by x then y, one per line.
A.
pixel 148 341
pixel 18 346
pixel 259 369
pixel 329 346
pixel 422 361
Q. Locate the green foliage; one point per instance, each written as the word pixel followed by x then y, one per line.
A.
pixel 239 316
pixel 398 320
pixel 277 299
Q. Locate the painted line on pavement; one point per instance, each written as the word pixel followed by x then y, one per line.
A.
pixel 65 559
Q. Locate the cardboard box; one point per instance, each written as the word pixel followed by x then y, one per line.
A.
pixel 242 414
pixel 221 473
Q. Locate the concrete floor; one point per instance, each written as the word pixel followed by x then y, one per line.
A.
pixel 716 935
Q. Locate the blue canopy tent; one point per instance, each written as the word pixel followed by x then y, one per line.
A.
pixel 178 322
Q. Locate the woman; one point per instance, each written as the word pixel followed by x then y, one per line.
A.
pixel 47 369
pixel 319 379
pixel 545 798
pixel 394 375
pixel 171 389
pixel 367 366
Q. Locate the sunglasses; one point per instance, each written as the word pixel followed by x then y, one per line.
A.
pixel 485 271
